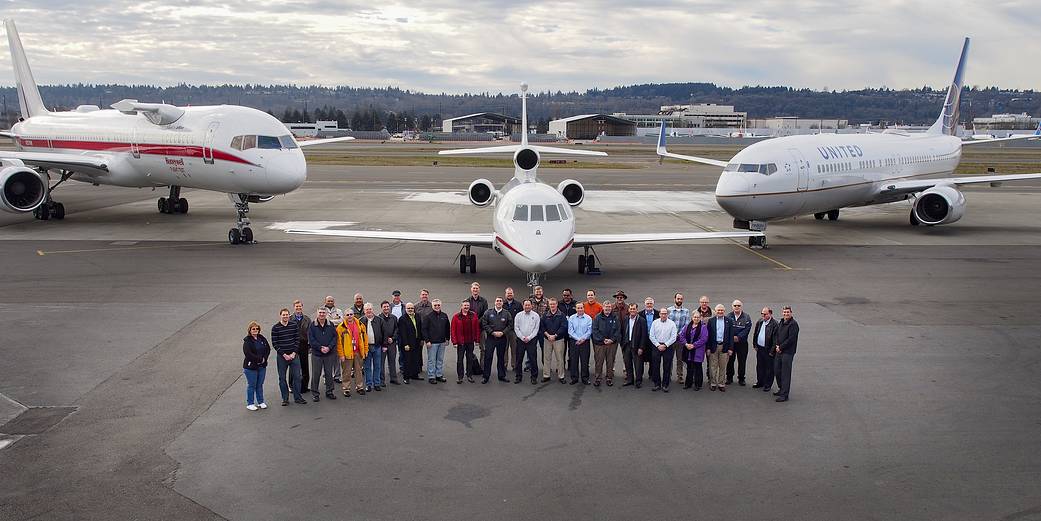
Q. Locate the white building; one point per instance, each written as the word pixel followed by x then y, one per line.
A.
pixel 1022 121
pixel 788 123
pixel 313 129
pixel 703 115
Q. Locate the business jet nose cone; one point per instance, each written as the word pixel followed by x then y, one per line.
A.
pixel 286 172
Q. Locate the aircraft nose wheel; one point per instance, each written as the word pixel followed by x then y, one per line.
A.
pixel 467 261
pixel 757 243
pixel 241 233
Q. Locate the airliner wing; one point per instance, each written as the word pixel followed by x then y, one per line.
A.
pixel 665 153
pixel 918 185
pixel 483 240
pixel 594 239
pixel 325 141
pixel 87 164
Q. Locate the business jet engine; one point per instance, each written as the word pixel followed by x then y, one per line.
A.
pixel 481 192
pixel 939 205
pixel 572 191
pixel 23 189
pixel 526 159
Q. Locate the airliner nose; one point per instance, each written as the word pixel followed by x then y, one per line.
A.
pixel 286 171
pixel 733 183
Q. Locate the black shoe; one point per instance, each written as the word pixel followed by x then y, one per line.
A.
pixel 459 381
pixel 781 399
pixel 574 382
pixel 337 380
pixel 304 391
pixel 330 396
pixel 300 401
pixel 470 379
pixel 627 383
pixel 442 379
pixel 585 382
pixel 766 389
pixel 639 385
pixel 545 379
pixel 361 391
pixel 314 398
pixel 432 380
pixel 741 383
pixel 664 389
pixel 377 388
pixel 562 380
pixel 730 381
pixel 285 403
pixel 517 380
pixel 778 393
pixel 484 380
pixel 405 381
pixel 504 379
pixel 697 388
pixel 368 388
pixel 596 383
pixel 534 380
pixel 687 386
pixel 610 383
pixel 395 382
pixel 757 386
pixel 656 388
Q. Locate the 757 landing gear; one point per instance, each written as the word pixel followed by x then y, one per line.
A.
pixel 241 233
pixel 51 208
pixel 175 203
pixel 587 261
pixel 467 261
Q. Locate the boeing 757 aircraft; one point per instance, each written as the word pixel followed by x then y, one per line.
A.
pixel 820 174
pixel 532 226
pixel 243 152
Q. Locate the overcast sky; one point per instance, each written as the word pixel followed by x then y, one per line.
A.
pixel 487 45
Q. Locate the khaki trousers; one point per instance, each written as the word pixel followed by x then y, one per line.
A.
pixel 717 368
pixel 352 382
pixel 603 358
pixel 553 352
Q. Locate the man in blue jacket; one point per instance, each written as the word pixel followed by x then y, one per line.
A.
pixel 321 337
pixel 742 327
pixel 720 346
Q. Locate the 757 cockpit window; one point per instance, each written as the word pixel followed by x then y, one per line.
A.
pixel 765 169
pixel 266 142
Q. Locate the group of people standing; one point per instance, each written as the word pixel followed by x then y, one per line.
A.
pixel 362 350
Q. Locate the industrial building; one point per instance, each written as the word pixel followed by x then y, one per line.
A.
pixel 1021 121
pixel 589 126
pixel 702 115
pixel 483 123
pixel 789 123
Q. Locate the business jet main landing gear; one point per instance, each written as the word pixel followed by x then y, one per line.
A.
pixel 173 204
pixel 51 209
pixel 241 233
pixel 467 261
pixel 587 262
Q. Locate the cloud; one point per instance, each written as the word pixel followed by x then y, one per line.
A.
pixel 491 45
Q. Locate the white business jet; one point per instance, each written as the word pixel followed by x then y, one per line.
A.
pixel 533 225
pixel 819 174
pixel 243 152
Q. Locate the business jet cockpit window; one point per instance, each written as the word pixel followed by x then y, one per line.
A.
pixel 520 213
pixel 765 169
pixel 552 213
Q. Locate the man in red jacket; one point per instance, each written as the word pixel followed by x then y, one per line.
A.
pixel 466 330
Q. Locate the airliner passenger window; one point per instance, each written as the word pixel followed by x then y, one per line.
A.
pixel 552 214
pixel 536 212
pixel 521 213
pixel 268 142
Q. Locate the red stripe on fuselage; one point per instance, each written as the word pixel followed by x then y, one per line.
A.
pixel 566 246
pixel 144 148
pixel 506 244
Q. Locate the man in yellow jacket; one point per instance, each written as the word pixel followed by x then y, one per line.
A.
pixel 352 345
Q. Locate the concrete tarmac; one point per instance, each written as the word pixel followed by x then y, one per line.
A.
pixel 122 397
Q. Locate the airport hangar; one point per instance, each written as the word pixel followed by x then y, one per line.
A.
pixel 589 126
pixel 482 123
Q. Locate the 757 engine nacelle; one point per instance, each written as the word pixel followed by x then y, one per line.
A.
pixel 23 190
pixel 572 191
pixel 481 192
pixel 939 205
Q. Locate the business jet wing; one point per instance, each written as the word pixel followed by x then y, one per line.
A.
pixel 665 153
pixel 514 148
pixel 7 133
pixel 917 185
pixel 92 165
pixel 595 239
pixel 1035 135
pixel 323 141
pixel 483 240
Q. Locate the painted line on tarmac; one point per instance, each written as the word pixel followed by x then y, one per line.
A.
pixel 42 253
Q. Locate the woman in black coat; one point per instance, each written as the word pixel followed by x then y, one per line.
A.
pixel 256 349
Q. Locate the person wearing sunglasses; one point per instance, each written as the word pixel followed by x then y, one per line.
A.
pixel 256 349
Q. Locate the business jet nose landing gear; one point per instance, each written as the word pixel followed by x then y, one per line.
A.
pixel 467 261
pixel 241 233
pixel 173 204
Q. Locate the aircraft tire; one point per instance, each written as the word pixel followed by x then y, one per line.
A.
pixel 581 264
pixel 182 206
pixel 247 235
pixel 462 264
pixel 58 211
pixel 234 236
pixel 833 215
pixel 473 263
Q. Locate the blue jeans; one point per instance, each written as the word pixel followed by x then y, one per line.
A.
pixel 294 370
pixel 254 385
pixel 436 360
pixel 374 366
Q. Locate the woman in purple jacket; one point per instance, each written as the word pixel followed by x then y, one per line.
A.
pixel 694 336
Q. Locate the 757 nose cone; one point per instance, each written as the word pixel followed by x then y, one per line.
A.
pixel 286 172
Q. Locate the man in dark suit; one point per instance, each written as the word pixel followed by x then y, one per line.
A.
pixel 763 342
pixel 634 340
pixel 786 341
pixel 720 347
pixel 410 340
